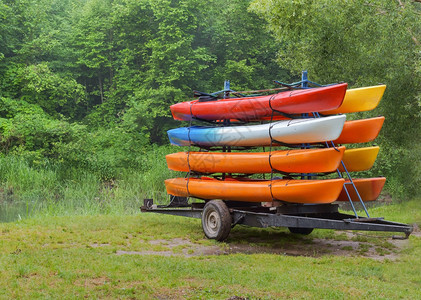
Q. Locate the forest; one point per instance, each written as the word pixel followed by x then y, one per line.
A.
pixel 86 85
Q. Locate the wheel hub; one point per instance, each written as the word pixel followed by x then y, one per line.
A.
pixel 213 221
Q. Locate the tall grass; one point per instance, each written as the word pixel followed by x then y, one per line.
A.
pixel 53 189
pixel 44 188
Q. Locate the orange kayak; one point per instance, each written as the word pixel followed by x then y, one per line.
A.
pixel 359 159
pixel 360 131
pixel 287 190
pixel 368 188
pixel 288 161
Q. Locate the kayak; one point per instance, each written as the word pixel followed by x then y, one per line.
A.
pixel 287 161
pixel 359 99
pixel 257 107
pixel 368 188
pixel 355 100
pixel 294 131
pixel 360 159
pixel 360 131
pixel 287 190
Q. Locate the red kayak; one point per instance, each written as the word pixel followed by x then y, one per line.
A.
pixel 256 108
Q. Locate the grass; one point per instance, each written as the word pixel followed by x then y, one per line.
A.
pixel 56 190
pixel 81 256
pixel 77 236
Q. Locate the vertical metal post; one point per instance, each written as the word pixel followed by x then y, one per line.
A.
pixel 226 88
pixel 304 79
pixel 226 122
pixel 304 84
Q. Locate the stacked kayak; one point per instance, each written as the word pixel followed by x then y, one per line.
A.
pixel 292 191
pixel 255 108
pixel 294 131
pixel 355 100
pixel 360 131
pixel 281 129
pixel 286 161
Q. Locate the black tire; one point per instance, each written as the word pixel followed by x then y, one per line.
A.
pixel 300 230
pixel 216 220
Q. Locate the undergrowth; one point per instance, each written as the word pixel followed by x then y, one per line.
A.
pixel 52 189
pixel 29 188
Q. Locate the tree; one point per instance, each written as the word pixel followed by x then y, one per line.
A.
pixel 244 52
pixel 57 94
pixel 363 43
pixel 92 40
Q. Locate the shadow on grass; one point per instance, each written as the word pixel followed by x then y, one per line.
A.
pixel 378 246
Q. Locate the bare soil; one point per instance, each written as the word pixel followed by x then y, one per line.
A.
pixel 344 243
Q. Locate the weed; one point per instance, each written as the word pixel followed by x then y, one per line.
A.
pixel 382 251
pixel 363 248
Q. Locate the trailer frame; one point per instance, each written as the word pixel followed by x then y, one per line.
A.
pixel 297 218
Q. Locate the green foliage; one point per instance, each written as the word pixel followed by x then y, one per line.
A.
pixel 26 130
pixel 354 41
pixel 362 43
pixel 147 112
pixel 56 94
pixel 244 51
pixel 29 132
pixel 173 58
pixel 92 41
pixel 87 84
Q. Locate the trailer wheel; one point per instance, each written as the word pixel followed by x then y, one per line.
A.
pixel 300 230
pixel 216 220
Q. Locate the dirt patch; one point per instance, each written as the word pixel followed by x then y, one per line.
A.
pixel 343 243
pixel 322 247
pixel 161 253
pixel 417 230
pixel 92 282
pixel 96 245
pixel 179 247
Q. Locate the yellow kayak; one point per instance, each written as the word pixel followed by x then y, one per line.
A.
pixel 360 159
pixel 359 99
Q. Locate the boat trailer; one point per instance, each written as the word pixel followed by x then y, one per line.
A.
pixel 218 217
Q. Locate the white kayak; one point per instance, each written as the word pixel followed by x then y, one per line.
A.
pixel 294 131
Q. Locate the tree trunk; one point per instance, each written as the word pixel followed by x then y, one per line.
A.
pixel 101 93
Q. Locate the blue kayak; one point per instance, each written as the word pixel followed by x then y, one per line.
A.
pixel 294 131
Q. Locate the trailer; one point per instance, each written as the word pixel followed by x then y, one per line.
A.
pixel 219 217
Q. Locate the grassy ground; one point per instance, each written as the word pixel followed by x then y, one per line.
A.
pixel 156 256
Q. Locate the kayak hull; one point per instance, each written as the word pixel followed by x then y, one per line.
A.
pixel 360 131
pixel 288 161
pixel 292 191
pixel 360 159
pixel 254 108
pixel 368 188
pixel 359 99
pixel 355 100
pixel 289 132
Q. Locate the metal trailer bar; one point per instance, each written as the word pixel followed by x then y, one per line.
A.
pixel 327 220
pixel 345 222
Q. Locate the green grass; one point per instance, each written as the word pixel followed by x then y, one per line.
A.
pixel 73 257
pixel 73 228
pixel 56 190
